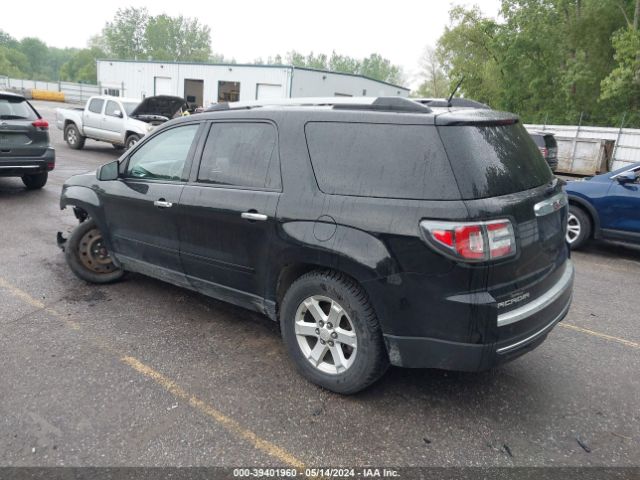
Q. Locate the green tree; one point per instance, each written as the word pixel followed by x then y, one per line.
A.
pixel 545 59
pixel 11 62
pixel 379 68
pixel 343 63
pixel 435 83
pixel 621 88
pixel 82 66
pixel 36 52
pixel 177 38
pixel 125 35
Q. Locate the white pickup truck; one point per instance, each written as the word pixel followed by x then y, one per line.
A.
pixel 119 121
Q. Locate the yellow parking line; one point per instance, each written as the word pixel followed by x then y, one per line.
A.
pixel 169 385
pixel 227 422
pixel 622 341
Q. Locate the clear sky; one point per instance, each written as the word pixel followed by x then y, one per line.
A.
pixel 247 29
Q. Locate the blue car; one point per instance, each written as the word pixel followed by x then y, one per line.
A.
pixel 605 207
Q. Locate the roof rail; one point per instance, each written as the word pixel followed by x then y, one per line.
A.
pixel 386 104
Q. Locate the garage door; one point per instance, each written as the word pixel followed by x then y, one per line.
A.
pixel 162 86
pixel 266 91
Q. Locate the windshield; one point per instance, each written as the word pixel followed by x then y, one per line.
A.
pixel 129 107
pixel 493 160
pixel 12 108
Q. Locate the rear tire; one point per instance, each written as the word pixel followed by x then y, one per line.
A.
pixel 73 138
pixel 326 306
pixel 36 181
pixel 87 256
pixel 131 141
pixel 578 227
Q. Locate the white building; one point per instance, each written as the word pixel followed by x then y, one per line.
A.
pixel 202 84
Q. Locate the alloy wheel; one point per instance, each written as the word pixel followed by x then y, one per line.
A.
pixel 573 228
pixel 72 137
pixel 326 335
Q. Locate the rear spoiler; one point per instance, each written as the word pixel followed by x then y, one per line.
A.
pixel 476 117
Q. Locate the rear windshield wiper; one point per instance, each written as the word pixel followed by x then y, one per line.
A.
pixel 12 117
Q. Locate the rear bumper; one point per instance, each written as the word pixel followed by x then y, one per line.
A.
pixel 543 314
pixel 19 166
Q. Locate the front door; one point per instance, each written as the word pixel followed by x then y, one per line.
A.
pixel 112 122
pixel 227 211
pixel 141 207
pixel 623 207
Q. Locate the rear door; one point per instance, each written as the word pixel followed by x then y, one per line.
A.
pixel 18 136
pixel 142 207
pixel 92 118
pixel 227 211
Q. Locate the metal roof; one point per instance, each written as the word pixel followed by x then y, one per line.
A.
pixel 291 67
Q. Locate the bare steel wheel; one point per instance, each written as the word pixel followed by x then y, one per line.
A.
pixel 325 334
pixel 93 253
pixel 88 256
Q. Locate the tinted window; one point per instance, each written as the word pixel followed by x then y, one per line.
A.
pixel 163 156
pixel 494 160
pixel 95 105
pixel 16 108
pixel 538 139
pixel 380 160
pixel 111 108
pixel 241 154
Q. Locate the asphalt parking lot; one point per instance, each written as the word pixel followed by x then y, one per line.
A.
pixel 145 373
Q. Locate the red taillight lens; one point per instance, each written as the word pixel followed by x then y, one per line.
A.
pixel 472 242
pixel 443 236
pixel 544 151
pixel 41 123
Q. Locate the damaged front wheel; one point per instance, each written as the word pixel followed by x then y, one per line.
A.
pixel 88 256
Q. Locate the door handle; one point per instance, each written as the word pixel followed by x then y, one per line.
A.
pixel 253 216
pixel 162 203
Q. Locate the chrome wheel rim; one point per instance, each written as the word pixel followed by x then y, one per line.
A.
pixel 93 254
pixel 72 137
pixel 573 228
pixel 325 334
pixel 131 143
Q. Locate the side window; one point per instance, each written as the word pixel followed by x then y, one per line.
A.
pixel 241 154
pixel 163 157
pixel 95 105
pixel 111 109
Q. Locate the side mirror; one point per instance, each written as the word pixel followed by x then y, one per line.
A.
pixel 108 171
pixel 626 177
pixel 117 113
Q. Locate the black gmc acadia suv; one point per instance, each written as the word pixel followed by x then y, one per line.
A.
pixel 376 231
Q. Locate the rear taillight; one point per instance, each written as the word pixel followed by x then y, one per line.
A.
pixel 471 242
pixel 544 151
pixel 41 124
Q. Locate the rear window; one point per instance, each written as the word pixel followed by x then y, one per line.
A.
pixel 494 160
pixel 16 108
pixel 380 160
